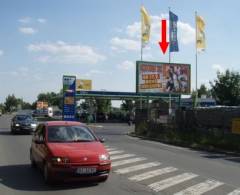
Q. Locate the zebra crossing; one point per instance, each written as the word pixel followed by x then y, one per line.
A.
pixel 161 178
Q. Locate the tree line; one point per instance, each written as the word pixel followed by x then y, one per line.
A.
pixel 225 89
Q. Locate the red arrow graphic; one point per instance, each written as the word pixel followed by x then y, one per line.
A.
pixel 164 44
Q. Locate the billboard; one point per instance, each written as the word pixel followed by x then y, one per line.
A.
pixel 69 92
pixel 158 77
pixel 42 105
pixel 83 85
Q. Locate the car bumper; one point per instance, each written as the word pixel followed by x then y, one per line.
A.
pixel 69 173
pixel 23 129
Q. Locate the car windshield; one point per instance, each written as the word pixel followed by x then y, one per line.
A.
pixel 69 134
pixel 23 117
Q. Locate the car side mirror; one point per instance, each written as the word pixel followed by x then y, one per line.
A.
pixel 102 140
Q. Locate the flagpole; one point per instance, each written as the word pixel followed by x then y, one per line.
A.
pixel 196 99
pixel 169 60
pixel 169 52
pixel 141 32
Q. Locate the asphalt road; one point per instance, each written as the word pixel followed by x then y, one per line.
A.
pixel 139 167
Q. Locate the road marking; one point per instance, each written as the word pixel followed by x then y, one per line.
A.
pixel 154 173
pixel 166 183
pixel 235 192
pixel 116 157
pixel 124 162
pixel 115 152
pixel 201 188
pixel 111 149
pixel 137 167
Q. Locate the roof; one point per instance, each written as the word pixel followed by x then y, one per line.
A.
pixel 63 123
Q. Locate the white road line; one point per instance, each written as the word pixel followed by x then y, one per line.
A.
pixel 127 161
pixel 151 174
pixel 116 157
pixel 111 149
pixel 201 188
pixel 166 183
pixel 115 152
pixel 235 192
pixel 137 167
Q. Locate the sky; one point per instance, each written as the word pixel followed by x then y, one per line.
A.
pixel 40 41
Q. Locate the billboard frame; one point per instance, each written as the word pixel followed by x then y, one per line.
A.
pixel 157 63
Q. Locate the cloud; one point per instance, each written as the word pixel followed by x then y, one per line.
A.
pixel 124 44
pixel 42 20
pixel 126 65
pixel 96 72
pixel 1 52
pixel 218 68
pixel 25 20
pixel 186 34
pixel 27 30
pixel 65 53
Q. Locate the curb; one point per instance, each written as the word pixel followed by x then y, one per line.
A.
pixel 199 148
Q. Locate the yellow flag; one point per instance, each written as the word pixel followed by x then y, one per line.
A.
pixel 201 40
pixel 146 26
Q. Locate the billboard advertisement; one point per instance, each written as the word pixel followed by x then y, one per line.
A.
pixel 83 85
pixel 42 105
pixel 69 92
pixel 157 77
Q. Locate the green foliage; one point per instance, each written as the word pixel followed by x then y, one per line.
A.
pixel 11 103
pixel 103 105
pixel 127 105
pixel 226 88
pixel 53 99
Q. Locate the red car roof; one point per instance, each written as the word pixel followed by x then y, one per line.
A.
pixel 63 123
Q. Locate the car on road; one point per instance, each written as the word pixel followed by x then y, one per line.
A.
pixel 23 123
pixel 67 151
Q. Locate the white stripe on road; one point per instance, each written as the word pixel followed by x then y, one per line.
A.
pixel 166 183
pixel 116 157
pixel 137 167
pixel 201 188
pixel 151 174
pixel 116 152
pixel 128 161
pixel 235 192
pixel 110 149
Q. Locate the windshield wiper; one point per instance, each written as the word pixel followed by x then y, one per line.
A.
pixel 82 140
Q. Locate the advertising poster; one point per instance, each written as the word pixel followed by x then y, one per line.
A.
pixel 69 92
pixel 83 85
pixel 157 77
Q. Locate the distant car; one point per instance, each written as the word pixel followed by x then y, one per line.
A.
pixel 23 123
pixel 67 151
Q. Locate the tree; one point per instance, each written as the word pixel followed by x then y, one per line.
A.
pixel 226 88
pixel 127 105
pixel 204 91
pixel 103 105
pixel 53 99
pixel 11 103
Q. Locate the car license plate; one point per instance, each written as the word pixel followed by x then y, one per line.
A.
pixel 86 170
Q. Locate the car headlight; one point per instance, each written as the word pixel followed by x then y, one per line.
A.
pixel 33 125
pixel 104 157
pixel 59 160
pixel 17 125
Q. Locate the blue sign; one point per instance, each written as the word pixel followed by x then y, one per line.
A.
pixel 69 93
pixel 173 19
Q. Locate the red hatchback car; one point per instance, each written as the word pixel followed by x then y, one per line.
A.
pixel 69 151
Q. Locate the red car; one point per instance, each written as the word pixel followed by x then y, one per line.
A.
pixel 69 151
